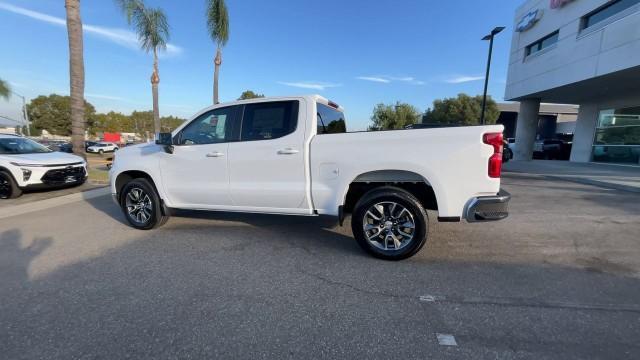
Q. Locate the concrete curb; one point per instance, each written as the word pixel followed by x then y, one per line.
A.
pixel 53 202
pixel 598 183
pixel 579 180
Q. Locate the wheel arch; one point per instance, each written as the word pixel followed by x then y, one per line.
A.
pixel 410 181
pixel 125 176
pixel 3 168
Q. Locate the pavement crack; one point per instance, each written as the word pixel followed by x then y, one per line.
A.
pixel 353 287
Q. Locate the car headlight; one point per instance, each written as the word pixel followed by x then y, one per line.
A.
pixel 26 174
pixel 26 165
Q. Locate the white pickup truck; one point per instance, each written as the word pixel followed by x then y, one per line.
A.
pixel 293 156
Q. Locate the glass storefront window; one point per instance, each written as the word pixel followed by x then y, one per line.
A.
pixel 617 137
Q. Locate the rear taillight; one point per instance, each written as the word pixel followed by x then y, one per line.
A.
pixel 495 161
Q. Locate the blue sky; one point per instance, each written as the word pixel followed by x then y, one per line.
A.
pixel 357 53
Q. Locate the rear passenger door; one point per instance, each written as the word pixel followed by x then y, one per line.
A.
pixel 267 165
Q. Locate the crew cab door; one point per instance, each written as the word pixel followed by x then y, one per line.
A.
pixel 267 165
pixel 196 175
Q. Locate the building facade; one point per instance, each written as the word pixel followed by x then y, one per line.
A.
pixel 583 52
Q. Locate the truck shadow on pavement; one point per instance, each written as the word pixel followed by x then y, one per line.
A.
pixel 300 231
pixel 165 295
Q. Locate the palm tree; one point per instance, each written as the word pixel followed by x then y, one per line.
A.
pixel 76 74
pixel 4 89
pixel 218 24
pixel 152 28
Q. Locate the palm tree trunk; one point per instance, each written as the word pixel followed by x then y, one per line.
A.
pixel 76 75
pixel 155 80
pixel 216 73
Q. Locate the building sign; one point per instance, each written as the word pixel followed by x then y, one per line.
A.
pixel 557 4
pixel 529 20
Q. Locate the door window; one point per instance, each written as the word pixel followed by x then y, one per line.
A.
pixel 271 120
pixel 213 127
pixel 330 120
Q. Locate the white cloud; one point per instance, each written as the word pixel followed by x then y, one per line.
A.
pixel 121 37
pixel 104 97
pixel 385 79
pixel 374 79
pixel 463 79
pixel 310 85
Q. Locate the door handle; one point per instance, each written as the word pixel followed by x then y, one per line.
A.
pixel 215 154
pixel 288 151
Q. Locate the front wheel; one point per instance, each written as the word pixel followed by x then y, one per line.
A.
pixel 390 223
pixel 8 187
pixel 141 205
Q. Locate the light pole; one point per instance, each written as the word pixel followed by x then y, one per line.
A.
pixel 25 115
pixel 489 37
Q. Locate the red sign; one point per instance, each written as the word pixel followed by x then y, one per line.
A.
pixel 556 4
pixel 111 137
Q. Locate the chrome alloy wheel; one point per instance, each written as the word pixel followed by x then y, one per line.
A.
pixel 388 226
pixel 139 206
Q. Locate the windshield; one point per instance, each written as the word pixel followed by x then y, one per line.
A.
pixel 21 146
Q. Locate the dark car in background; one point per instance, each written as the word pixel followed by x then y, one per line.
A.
pixel 556 148
pixel 66 147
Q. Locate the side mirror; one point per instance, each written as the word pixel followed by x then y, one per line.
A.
pixel 165 139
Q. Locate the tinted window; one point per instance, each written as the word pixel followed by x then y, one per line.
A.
pixel 543 43
pixel 606 12
pixel 330 120
pixel 264 121
pixel 209 128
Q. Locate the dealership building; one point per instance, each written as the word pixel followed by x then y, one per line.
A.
pixel 582 52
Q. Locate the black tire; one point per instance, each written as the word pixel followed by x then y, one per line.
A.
pixel 8 187
pixel 101 152
pixel 385 197
pixel 508 155
pixel 149 214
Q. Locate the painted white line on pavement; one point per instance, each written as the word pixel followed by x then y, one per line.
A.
pixel 446 340
pixel 22 209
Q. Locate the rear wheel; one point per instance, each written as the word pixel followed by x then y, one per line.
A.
pixel 8 187
pixel 141 205
pixel 390 223
pixel 101 151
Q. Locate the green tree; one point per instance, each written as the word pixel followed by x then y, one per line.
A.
pixel 5 90
pixel 139 122
pixel 53 114
pixel 249 94
pixel 218 25
pixel 170 123
pixel 389 117
pixel 463 110
pixel 76 75
pixel 111 122
pixel 152 28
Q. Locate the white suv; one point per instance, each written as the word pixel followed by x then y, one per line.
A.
pixel 25 164
pixel 102 147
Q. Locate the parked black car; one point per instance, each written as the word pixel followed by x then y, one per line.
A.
pixel 66 147
pixel 557 148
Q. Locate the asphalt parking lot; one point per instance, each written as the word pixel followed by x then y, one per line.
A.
pixel 559 279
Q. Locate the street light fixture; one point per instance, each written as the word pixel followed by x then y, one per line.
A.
pixel 489 37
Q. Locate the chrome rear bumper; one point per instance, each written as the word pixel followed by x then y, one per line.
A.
pixel 488 208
